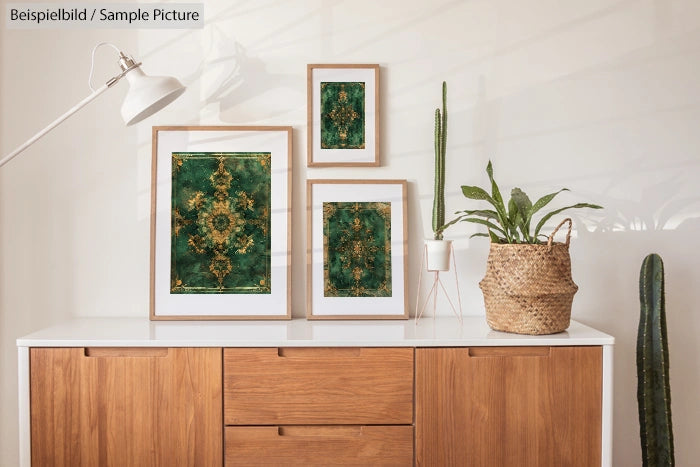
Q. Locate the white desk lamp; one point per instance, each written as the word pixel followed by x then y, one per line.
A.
pixel 146 96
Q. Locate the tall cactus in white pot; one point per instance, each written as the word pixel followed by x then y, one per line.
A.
pixel 438 249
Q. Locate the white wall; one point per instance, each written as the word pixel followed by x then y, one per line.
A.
pixel 600 96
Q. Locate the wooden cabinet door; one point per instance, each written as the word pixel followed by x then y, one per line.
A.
pixel 126 407
pixel 514 406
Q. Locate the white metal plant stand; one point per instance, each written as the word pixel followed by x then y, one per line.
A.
pixel 437 286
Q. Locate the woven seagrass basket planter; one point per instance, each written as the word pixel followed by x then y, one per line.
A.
pixel 528 288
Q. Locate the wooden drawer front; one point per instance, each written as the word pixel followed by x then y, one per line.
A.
pixel 314 445
pixel 309 386
pixel 126 407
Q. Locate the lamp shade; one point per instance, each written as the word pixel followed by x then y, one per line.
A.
pixel 148 94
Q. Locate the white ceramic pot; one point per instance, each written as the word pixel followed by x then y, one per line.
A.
pixel 438 254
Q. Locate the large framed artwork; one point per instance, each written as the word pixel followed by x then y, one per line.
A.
pixel 343 115
pixel 220 222
pixel 356 249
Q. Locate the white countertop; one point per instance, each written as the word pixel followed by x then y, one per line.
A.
pixel 429 332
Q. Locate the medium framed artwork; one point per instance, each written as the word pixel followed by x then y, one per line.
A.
pixel 220 222
pixel 356 249
pixel 343 115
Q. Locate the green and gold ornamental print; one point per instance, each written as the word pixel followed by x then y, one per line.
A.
pixel 220 231
pixel 342 115
pixel 357 249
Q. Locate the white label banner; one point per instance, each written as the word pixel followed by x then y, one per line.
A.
pixel 107 15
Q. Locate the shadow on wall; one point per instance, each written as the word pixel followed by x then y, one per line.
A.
pixel 230 77
pixel 654 211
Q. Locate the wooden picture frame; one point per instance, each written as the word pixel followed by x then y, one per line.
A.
pixel 343 115
pixel 221 222
pixel 357 251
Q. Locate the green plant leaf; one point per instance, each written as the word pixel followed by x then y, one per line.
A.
pixel 524 229
pixel 442 228
pixel 512 210
pixel 486 213
pixel 522 201
pixel 474 192
pixel 543 201
pixel 496 239
pixel 488 224
pixel 495 192
pixel 512 222
pixel 498 201
pixel 515 237
pixel 479 234
pixel 557 211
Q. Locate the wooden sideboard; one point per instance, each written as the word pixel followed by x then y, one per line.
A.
pixel 440 393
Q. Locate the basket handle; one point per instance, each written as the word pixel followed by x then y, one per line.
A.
pixel 568 233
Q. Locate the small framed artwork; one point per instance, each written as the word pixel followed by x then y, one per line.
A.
pixel 356 249
pixel 220 222
pixel 343 115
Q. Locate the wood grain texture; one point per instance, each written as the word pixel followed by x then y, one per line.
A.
pixel 525 409
pixel 291 386
pixel 319 446
pixel 135 410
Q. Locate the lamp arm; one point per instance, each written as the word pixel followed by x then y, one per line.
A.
pixel 59 120
pixel 161 94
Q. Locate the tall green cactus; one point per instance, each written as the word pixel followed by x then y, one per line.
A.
pixel 440 149
pixel 653 389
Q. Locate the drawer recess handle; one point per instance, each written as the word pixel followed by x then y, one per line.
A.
pixel 509 352
pixel 321 353
pixel 332 431
pixel 126 351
